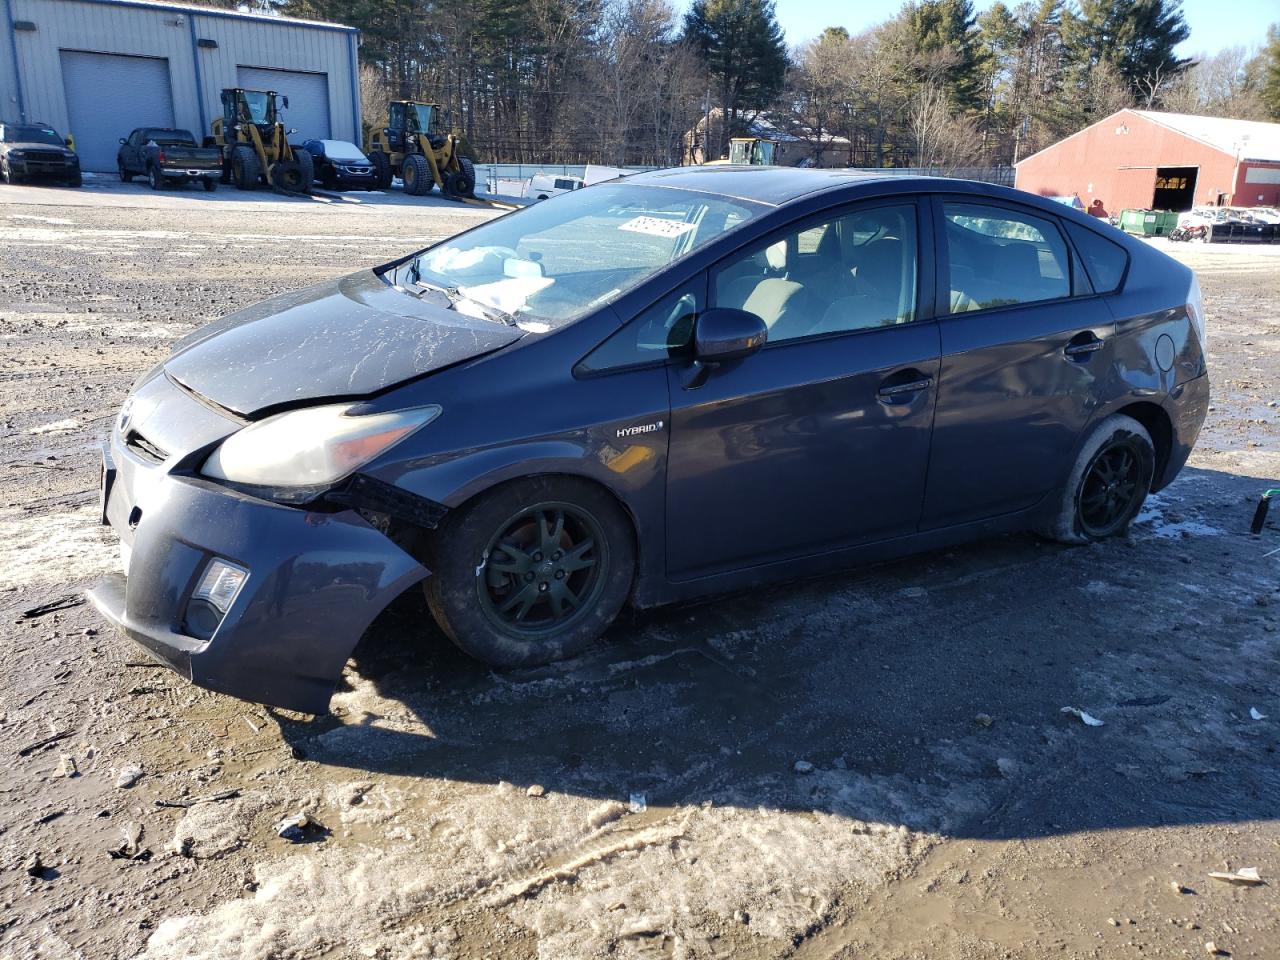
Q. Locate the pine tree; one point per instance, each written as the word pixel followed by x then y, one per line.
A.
pixel 742 46
pixel 946 41
pixel 1135 38
pixel 1269 72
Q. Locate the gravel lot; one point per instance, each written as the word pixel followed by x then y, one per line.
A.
pixel 950 810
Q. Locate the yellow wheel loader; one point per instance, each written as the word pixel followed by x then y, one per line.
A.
pixel 414 145
pixel 255 144
pixel 749 151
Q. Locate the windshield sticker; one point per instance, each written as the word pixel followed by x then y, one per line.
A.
pixel 657 227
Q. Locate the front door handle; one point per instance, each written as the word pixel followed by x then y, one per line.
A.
pixel 901 389
pixel 1082 346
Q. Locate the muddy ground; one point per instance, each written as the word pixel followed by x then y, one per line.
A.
pixel 952 809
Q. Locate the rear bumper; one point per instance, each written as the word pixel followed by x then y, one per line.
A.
pixel 1187 405
pixel 191 173
pixel 316 581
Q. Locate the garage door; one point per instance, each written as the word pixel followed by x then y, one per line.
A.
pixel 308 95
pixel 109 95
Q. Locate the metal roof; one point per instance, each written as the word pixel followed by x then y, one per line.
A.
pixel 1247 139
pixel 194 10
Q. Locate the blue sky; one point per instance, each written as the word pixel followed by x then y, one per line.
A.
pixel 1214 23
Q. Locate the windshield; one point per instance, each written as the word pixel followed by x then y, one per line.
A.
pixel 256 105
pixel 422 115
pixel 32 135
pixel 557 260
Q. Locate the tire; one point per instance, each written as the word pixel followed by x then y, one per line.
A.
pixel 381 169
pixel 245 168
pixel 416 175
pixel 467 590
pixel 125 175
pixel 155 177
pixel 76 181
pixel 210 184
pixel 466 183
pixel 5 175
pixel 306 167
pixel 288 175
pixel 1089 509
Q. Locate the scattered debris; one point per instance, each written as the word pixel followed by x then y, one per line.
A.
pixel 1087 719
pixel 131 848
pixel 48 817
pixel 1212 950
pixel 252 726
pixel 1245 876
pixel 1178 888
pixel 536 790
pixel 803 766
pixel 1113 921
pixel 33 866
pixel 1253 712
pixel 128 776
pixel 742 916
pixel 984 720
pixel 67 766
pixel 192 801
pixel 65 602
pixel 39 744
pixel 1008 767
pixel 639 803
pixel 299 827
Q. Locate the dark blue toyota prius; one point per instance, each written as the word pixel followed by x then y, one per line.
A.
pixel 689 381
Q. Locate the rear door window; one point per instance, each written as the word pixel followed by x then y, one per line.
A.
pixel 998 257
pixel 1104 261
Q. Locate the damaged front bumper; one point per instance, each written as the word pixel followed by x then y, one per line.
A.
pixel 315 581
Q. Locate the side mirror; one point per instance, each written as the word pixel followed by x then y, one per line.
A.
pixel 724 334
pixel 285 101
pixel 72 144
pixel 123 141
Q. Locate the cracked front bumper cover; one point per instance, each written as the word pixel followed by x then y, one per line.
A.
pixel 316 581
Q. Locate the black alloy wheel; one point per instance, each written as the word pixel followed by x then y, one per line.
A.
pixel 1112 489
pixel 544 569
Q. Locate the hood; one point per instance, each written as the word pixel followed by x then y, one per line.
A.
pixel 53 147
pixel 340 340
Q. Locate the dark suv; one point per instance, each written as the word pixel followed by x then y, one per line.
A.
pixel 35 151
pixel 685 382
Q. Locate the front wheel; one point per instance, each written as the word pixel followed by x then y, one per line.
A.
pixel 125 175
pixel 532 571
pixel 1108 483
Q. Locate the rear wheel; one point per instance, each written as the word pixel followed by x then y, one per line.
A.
pixel 1108 483
pixel 416 175
pixel 246 171
pixel 532 571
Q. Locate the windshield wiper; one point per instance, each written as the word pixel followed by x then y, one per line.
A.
pixel 456 296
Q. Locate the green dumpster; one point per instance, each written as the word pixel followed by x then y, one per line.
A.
pixel 1148 223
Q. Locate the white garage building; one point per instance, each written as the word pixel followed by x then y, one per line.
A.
pixel 95 69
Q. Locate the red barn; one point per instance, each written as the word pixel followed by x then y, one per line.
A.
pixel 1162 161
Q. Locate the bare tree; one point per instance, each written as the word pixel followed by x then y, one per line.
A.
pixel 942 137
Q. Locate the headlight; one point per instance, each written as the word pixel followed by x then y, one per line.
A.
pixel 312 446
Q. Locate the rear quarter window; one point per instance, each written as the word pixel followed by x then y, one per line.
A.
pixel 1105 261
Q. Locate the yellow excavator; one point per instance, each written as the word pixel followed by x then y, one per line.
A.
pixel 255 144
pixel 749 151
pixel 414 145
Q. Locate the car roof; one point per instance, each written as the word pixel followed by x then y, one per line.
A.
pixel 771 185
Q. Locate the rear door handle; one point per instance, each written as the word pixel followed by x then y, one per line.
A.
pixel 899 389
pixel 1081 348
